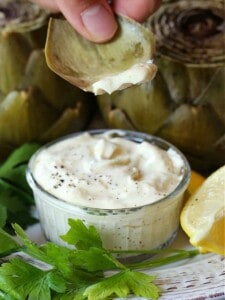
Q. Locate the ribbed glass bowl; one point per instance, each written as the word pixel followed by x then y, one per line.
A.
pixel 145 227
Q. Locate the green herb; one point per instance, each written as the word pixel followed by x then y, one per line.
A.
pixel 75 273
pixel 122 284
pixel 16 197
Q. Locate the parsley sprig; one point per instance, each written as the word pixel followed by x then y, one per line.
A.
pixel 16 199
pixel 75 273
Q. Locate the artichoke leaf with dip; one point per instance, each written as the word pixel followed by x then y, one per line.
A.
pixel 125 60
pixel 184 103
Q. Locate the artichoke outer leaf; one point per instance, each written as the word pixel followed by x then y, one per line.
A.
pixel 199 80
pixel 193 129
pixel 14 51
pixel 2 97
pixel 175 77
pixel 145 106
pixel 118 119
pixel 214 94
pixel 72 119
pixel 149 101
pixel 58 93
pixel 121 62
pixel 24 116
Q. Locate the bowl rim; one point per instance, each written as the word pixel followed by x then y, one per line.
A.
pixel 139 137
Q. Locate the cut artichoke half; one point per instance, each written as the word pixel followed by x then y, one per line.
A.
pixel 21 16
pixel 124 61
pixel 36 105
pixel 190 32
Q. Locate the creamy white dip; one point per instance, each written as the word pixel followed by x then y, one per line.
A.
pixel 137 74
pixel 102 171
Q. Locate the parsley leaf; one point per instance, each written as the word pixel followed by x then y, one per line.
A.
pixel 81 236
pixel 15 166
pixel 31 247
pixel 93 259
pixel 59 257
pixel 20 280
pixel 123 283
pixel 51 253
pixel 16 210
pixel 15 194
pixel 73 274
pixel 62 273
pixel 7 243
pixel 3 215
pixel 72 294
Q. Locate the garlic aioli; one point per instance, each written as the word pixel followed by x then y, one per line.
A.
pixel 102 171
pixel 137 74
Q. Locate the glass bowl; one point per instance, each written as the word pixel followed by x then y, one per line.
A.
pixel 150 226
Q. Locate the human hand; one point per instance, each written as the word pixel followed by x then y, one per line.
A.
pixel 94 19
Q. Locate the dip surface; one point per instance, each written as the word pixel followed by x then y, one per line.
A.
pixel 102 171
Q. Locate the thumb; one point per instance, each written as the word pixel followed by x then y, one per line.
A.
pixel 92 19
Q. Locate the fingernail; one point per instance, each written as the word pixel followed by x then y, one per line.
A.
pixel 99 22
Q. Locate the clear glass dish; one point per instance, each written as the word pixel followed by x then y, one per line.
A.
pixel 145 227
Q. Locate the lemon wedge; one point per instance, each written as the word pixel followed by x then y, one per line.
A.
pixel 203 215
pixel 196 181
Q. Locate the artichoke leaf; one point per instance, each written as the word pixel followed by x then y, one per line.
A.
pixel 217 150
pixel 199 81
pixel 12 66
pixel 125 60
pixel 193 129
pixel 114 118
pixel 2 97
pixel 175 77
pixel 24 116
pixel 118 119
pixel 214 93
pixel 146 106
pixel 59 93
pixel 72 119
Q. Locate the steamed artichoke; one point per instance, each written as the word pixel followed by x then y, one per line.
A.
pixel 185 103
pixel 35 103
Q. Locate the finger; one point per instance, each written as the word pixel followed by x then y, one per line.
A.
pixel 93 19
pixel 138 10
